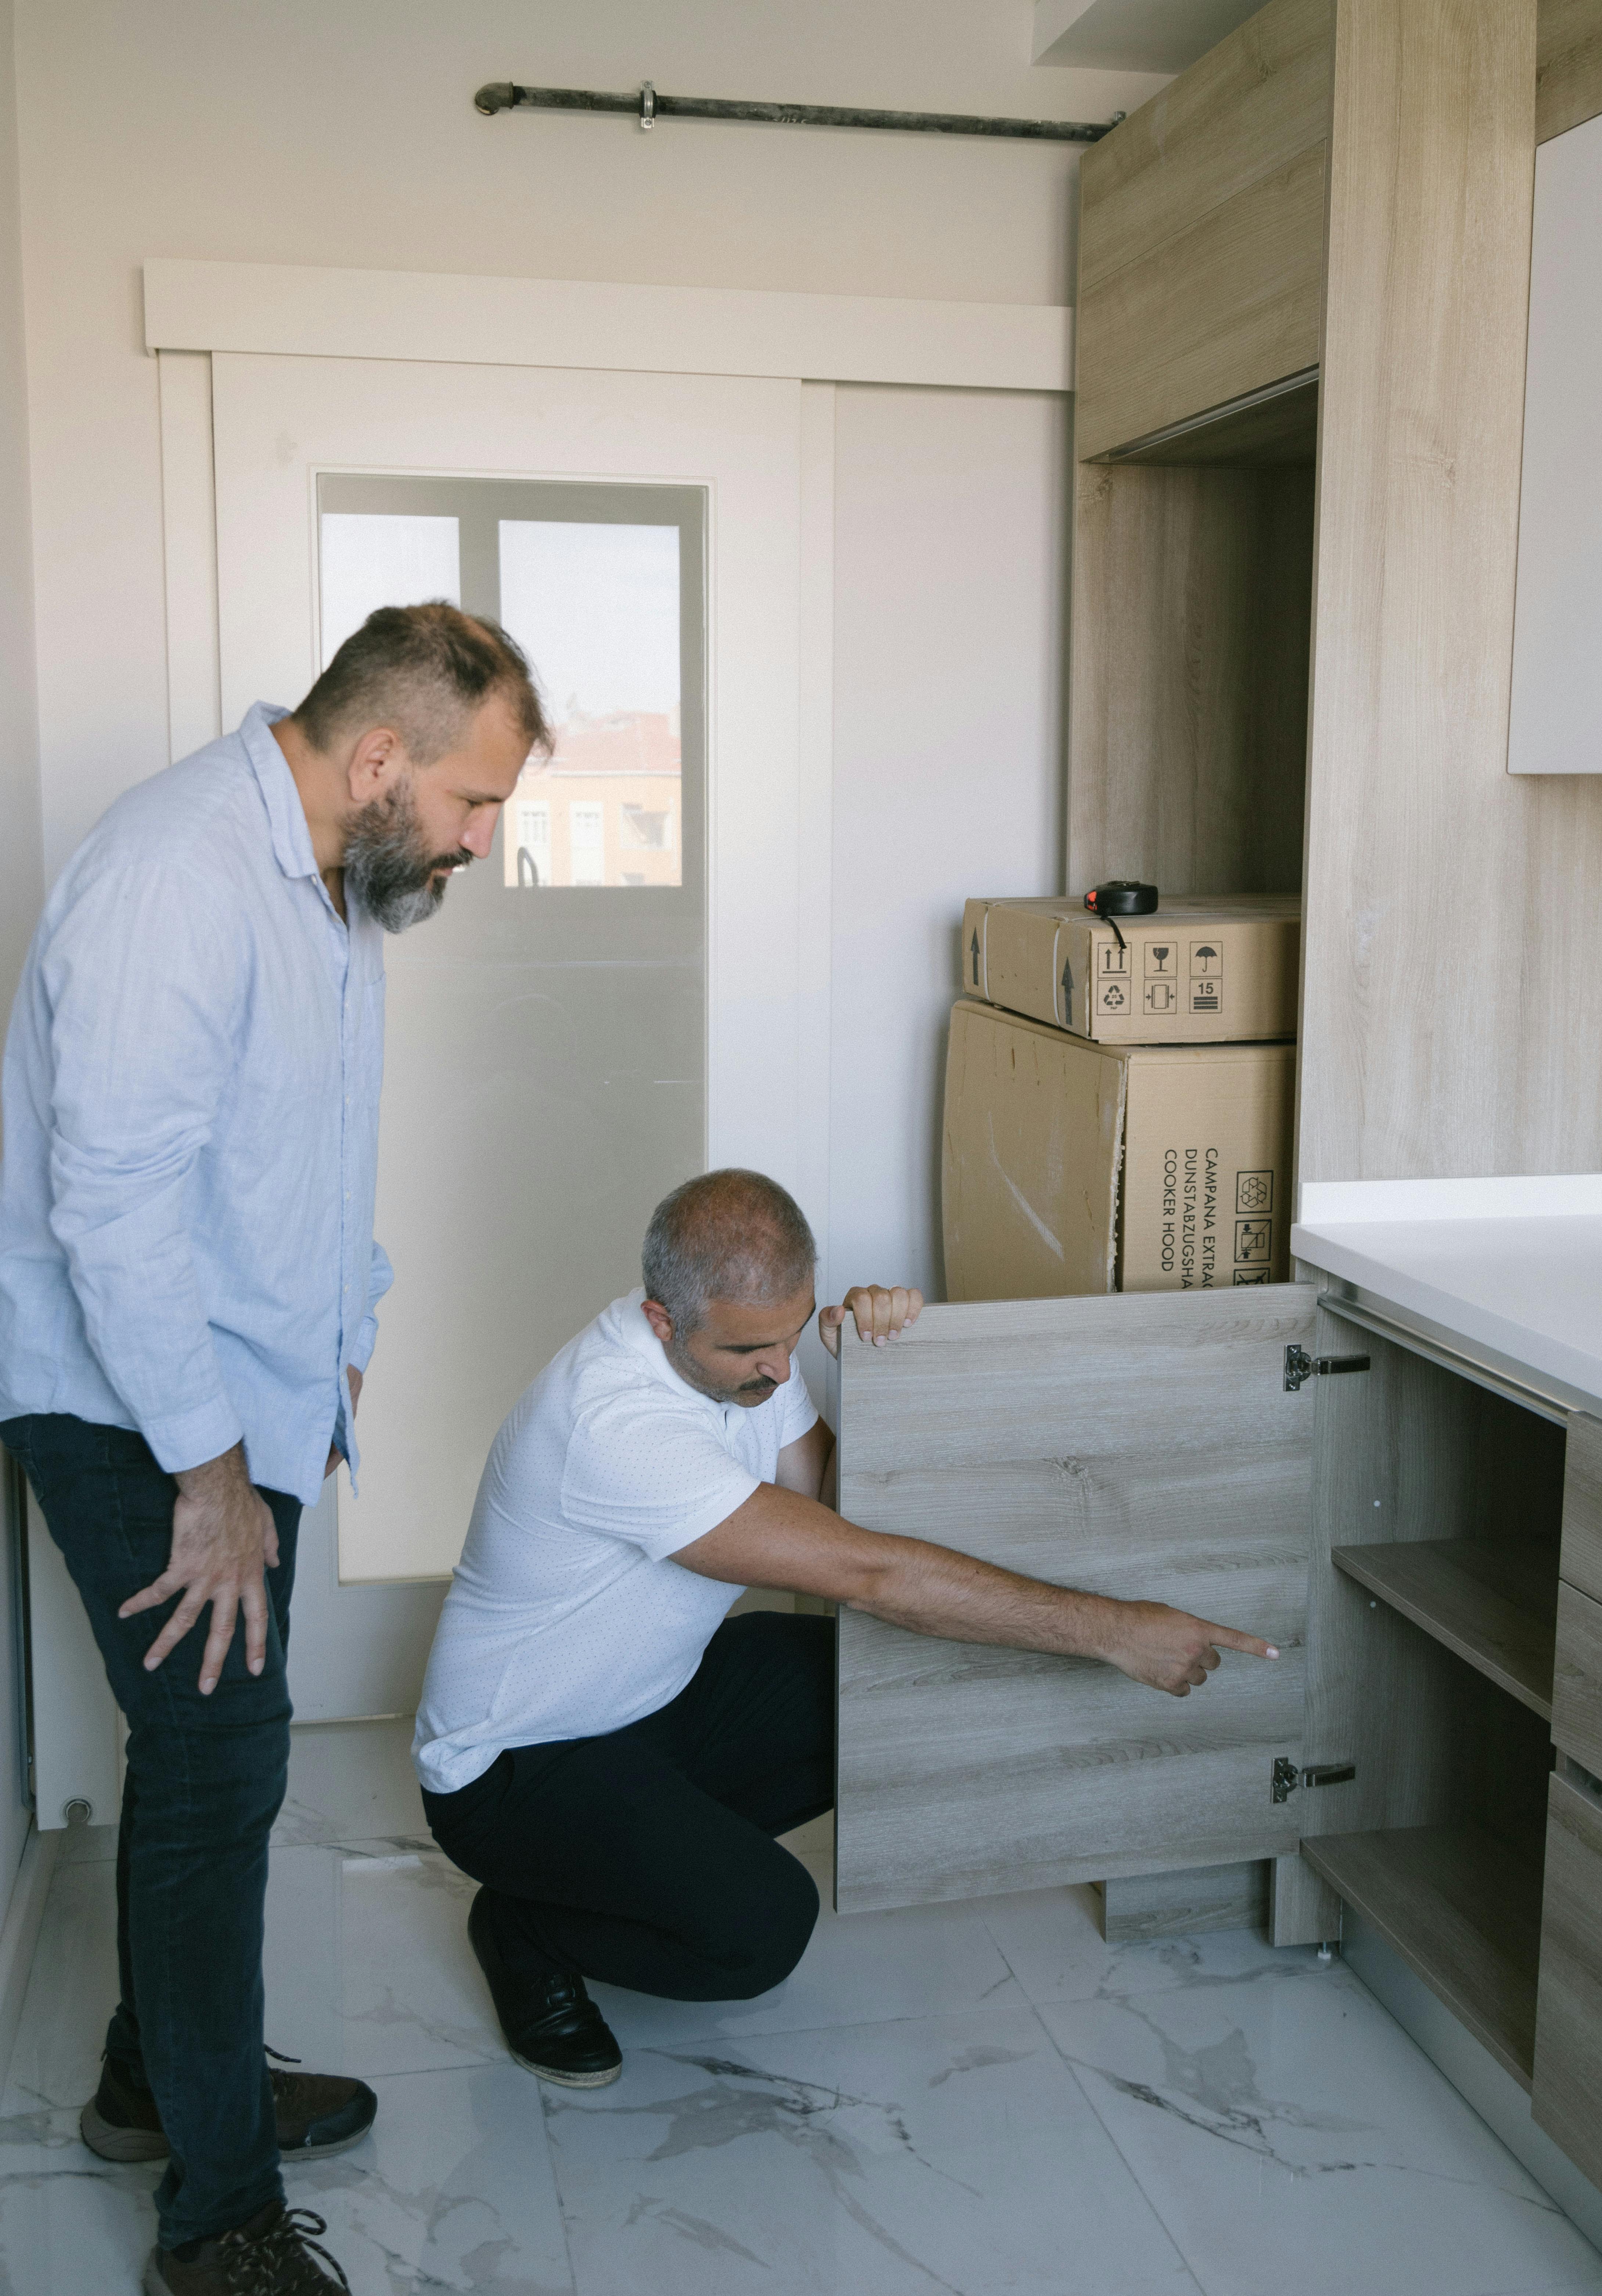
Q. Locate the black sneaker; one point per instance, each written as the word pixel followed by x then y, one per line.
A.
pixel 552 2026
pixel 317 2113
pixel 274 2254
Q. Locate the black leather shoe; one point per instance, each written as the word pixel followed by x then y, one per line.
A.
pixel 552 2026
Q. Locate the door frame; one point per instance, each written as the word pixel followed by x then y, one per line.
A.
pixel 193 310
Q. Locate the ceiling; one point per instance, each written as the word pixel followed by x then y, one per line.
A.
pixel 1157 36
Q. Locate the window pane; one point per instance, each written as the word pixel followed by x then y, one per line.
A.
pixel 596 608
pixel 374 558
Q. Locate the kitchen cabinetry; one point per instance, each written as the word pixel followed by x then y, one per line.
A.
pixel 1304 287
pixel 1415 1528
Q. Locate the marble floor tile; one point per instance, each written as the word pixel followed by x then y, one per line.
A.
pixel 68 2224
pixel 71 1993
pixel 951 2153
pixel 351 1782
pixel 1055 1948
pixel 452 2190
pixel 368 1965
pixel 1284 2125
pixel 858 1969
pixel 84 1845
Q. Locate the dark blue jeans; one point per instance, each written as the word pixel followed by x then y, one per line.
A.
pixel 205 1780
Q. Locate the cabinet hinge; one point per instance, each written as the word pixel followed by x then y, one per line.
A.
pixel 1288 1775
pixel 1299 1366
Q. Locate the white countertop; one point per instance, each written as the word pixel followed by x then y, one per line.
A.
pixel 1513 1267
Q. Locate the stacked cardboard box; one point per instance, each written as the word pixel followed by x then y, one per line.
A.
pixel 1119 1113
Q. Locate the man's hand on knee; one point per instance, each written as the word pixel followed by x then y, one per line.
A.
pixel 224 1538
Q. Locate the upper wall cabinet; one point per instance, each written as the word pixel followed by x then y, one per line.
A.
pixel 1201 233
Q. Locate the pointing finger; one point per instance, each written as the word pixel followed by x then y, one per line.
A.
pixel 1228 1638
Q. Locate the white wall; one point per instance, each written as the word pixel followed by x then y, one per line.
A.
pixel 20 869
pixel 950 574
pixel 341 132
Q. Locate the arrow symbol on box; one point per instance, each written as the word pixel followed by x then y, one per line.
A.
pixel 975 958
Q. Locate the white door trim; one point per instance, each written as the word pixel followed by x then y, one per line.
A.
pixel 297 310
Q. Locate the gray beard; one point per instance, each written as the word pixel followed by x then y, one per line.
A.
pixel 388 868
pixel 692 1374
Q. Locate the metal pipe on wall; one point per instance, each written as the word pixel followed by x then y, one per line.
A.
pixel 648 107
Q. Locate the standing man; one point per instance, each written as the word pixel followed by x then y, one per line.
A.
pixel 187 1285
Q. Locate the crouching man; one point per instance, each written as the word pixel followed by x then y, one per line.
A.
pixel 599 1746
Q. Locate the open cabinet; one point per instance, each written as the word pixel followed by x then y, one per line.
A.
pixel 1425 1549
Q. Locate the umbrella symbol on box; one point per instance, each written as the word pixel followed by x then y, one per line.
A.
pixel 1204 957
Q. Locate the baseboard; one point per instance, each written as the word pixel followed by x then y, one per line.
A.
pixel 1494 2092
pixel 21 1934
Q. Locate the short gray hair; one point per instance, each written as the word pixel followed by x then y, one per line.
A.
pixel 422 670
pixel 725 1236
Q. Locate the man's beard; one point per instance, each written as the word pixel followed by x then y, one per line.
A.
pixel 748 1393
pixel 389 868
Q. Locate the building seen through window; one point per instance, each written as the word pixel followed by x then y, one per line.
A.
pixel 597 607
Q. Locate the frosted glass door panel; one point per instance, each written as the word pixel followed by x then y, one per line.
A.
pixel 545 1063
pixel 596 609
pixel 368 561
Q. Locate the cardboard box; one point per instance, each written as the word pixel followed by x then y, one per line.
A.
pixel 1196 972
pixel 1071 1166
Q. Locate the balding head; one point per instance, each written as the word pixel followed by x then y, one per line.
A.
pixel 729 1235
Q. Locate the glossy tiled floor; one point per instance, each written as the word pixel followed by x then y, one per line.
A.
pixel 976 2098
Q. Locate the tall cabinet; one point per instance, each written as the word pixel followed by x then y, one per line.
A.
pixel 1304 273
pixel 1303 278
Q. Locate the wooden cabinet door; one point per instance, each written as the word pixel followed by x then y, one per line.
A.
pixel 1142 1445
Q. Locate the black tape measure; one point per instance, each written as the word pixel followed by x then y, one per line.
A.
pixel 1121 897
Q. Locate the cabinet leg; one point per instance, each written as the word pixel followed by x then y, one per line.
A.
pixel 1302 1907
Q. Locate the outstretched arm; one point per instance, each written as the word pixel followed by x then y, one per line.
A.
pixel 785 1539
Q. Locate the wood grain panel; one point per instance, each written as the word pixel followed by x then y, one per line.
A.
pixel 1568 65
pixel 1408 1452
pixel 1282 428
pixel 1183 1905
pixel 1230 302
pixel 1242 112
pixel 1567 2098
pixel 1462 1915
pixel 1302 1907
pixel 1138 1442
pixel 1577 1679
pixel 1450 906
pixel 1494 1603
pixel 1583 1505
pixel 1192 609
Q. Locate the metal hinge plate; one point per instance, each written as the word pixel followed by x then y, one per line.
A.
pixel 1299 1366
pixel 1288 1775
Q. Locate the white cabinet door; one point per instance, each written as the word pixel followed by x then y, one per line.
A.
pixel 1142 1445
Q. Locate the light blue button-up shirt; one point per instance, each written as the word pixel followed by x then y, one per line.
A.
pixel 190 1147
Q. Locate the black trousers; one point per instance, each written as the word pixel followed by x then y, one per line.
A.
pixel 647 1858
pixel 205 1779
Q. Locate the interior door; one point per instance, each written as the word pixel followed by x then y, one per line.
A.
pixel 612 1001
pixel 1141 1445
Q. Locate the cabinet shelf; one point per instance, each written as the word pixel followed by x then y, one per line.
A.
pixel 1493 1603
pixel 1463 1910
